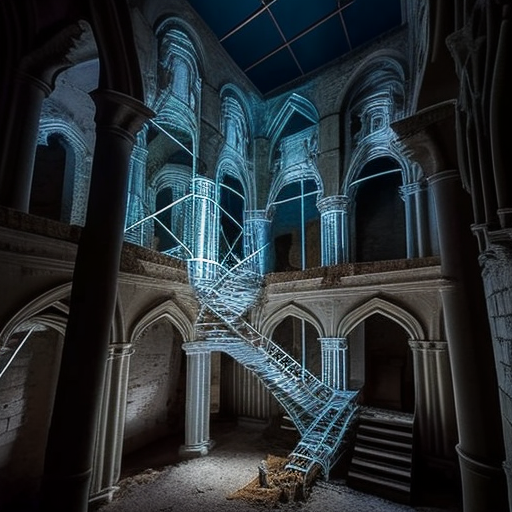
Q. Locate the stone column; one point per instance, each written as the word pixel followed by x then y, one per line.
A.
pixel 334 362
pixel 499 117
pixel 34 82
pixel 110 432
pixel 430 138
pixel 334 229
pixel 72 433
pixel 496 262
pixel 436 423
pixel 197 412
pixel 139 233
pixel 31 92
pixel 480 448
pixel 257 238
pixel 416 218
pixel 203 266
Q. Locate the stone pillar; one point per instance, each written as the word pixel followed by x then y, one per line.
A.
pixel 499 117
pixel 430 138
pixel 137 232
pixel 72 433
pixel 334 229
pixel 31 92
pixel 480 448
pixel 110 432
pixel 197 412
pixel 334 362
pixel 435 418
pixel 33 83
pixel 496 262
pixel 416 219
pixel 257 239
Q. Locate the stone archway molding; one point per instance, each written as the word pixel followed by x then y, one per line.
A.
pixel 378 305
pixel 291 309
pixel 30 311
pixel 167 310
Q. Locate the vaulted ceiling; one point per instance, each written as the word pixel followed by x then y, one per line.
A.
pixel 276 41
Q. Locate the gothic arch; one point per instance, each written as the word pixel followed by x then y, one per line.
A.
pixel 293 104
pixel 233 159
pixel 163 178
pixel 377 86
pixel 232 165
pixel 32 309
pixel 33 313
pixel 173 22
pixel 377 305
pixel 233 91
pixel 167 310
pixel 380 148
pixel 383 61
pixel 291 309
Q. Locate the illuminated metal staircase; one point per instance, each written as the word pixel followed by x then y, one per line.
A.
pixel 321 414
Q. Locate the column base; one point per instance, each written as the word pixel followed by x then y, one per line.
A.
pixel 194 451
pixel 104 497
pixel 483 486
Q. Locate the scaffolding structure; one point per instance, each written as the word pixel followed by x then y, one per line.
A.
pixel 227 285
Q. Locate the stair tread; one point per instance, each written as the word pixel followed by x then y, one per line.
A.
pixel 367 451
pixel 388 430
pixel 383 442
pixel 382 468
pixel 376 480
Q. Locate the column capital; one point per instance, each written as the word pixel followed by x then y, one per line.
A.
pixel 333 343
pixel 256 215
pixel 429 138
pixel 118 112
pixel 333 203
pixel 197 347
pixel 446 175
pixel 429 345
pixel 411 188
pixel 118 350
pixel 39 83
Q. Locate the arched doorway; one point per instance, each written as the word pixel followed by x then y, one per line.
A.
pixel 388 366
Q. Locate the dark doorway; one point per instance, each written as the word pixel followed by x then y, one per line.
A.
pixel 389 380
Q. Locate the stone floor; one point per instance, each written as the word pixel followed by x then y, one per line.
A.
pixel 156 480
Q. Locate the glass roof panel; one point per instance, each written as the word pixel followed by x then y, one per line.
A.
pixel 321 45
pixel 294 19
pixel 274 71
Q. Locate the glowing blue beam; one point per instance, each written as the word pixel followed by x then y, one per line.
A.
pixel 153 215
pixel 163 130
pixel 174 236
pixel 294 198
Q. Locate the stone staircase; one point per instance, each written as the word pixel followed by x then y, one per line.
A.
pixel 382 457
